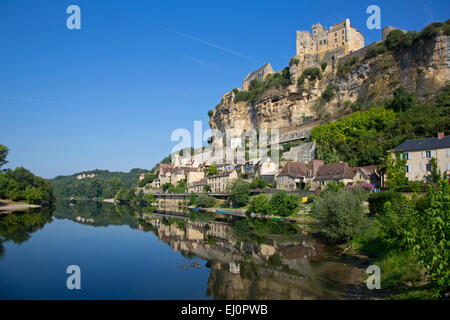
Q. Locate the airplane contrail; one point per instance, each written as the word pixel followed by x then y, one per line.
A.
pixel 213 45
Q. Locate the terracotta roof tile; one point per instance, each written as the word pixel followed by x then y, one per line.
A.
pixel 335 171
pixel 294 170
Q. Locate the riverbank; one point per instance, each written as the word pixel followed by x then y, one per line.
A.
pixel 8 206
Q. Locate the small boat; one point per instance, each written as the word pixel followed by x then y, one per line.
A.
pixel 225 211
pixel 72 200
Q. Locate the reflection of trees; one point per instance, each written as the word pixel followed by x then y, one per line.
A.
pixel 18 227
pixel 99 213
pixel 2 250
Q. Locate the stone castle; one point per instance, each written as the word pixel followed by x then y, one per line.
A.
pixel 340 40
pixel 340 37
pixel 260 74
pixel 323 45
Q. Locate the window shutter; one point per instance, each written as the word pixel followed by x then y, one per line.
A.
pixel 448 165
pixel 432 153
pixel 448 152
pixel 424 168
pixel 423 154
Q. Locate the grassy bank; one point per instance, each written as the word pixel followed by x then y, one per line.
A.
pixel 401 274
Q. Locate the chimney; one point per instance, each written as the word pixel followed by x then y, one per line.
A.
pixel 440 135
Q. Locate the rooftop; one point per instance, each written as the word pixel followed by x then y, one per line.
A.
pixel 424 144
pixel 336 171
pixel 294 170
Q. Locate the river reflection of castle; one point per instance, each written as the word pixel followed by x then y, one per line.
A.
pixel 275 268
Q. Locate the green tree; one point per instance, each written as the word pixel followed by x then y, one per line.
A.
pixel 212 170
pixel 378 199
pixel 283 203
pixel 341 215
pixel 436 174
pixel 334 186
pixel 395 170
pixel 239 192
pixel 402 100
pixel 205 201
pixel 429 239
pixel 258 183
pixel 260 204
pixel 3 154
pixel 207 188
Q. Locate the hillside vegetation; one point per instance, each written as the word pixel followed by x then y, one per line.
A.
pixel 105 184
pixel 21 184
pixel 365 137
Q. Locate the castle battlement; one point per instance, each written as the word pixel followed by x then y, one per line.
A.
pixel 340 36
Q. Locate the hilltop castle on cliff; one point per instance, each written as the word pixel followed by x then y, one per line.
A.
pixel 323 45
pixel 341 37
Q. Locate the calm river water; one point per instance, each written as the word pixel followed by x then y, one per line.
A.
pixel 124 253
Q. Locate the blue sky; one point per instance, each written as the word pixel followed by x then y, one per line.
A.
pixel 108 96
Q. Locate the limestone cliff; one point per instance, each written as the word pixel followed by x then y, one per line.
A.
pixel 422 68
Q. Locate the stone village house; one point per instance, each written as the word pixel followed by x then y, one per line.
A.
pixel 419 153
pixel 298 175
pixel 220 181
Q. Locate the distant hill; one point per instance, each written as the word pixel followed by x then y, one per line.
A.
pixel 103 185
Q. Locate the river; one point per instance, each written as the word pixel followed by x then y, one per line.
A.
pixel 124 253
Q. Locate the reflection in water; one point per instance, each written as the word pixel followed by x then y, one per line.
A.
pixel 253 259
pixel 247 258
pixel 98 213
pixel 18 227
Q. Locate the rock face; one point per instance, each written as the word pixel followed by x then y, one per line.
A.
pixel 302 153
pixel 421 69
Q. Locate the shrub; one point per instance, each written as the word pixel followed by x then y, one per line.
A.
pixel 378 49
pixel 323 66
pixel 402 101
pixel 341 215
pixel 334 186
pixel 378 199
pixel 329 92
pixel 294 61
pixel 210 113
pixel 396 220
pixel 260 204
pixel 312 74
pixel 205 201
pixel 258 183
pixel 344 69
pixel 429 238
pixel 239 192
pixel 277 80
pixel 283 203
